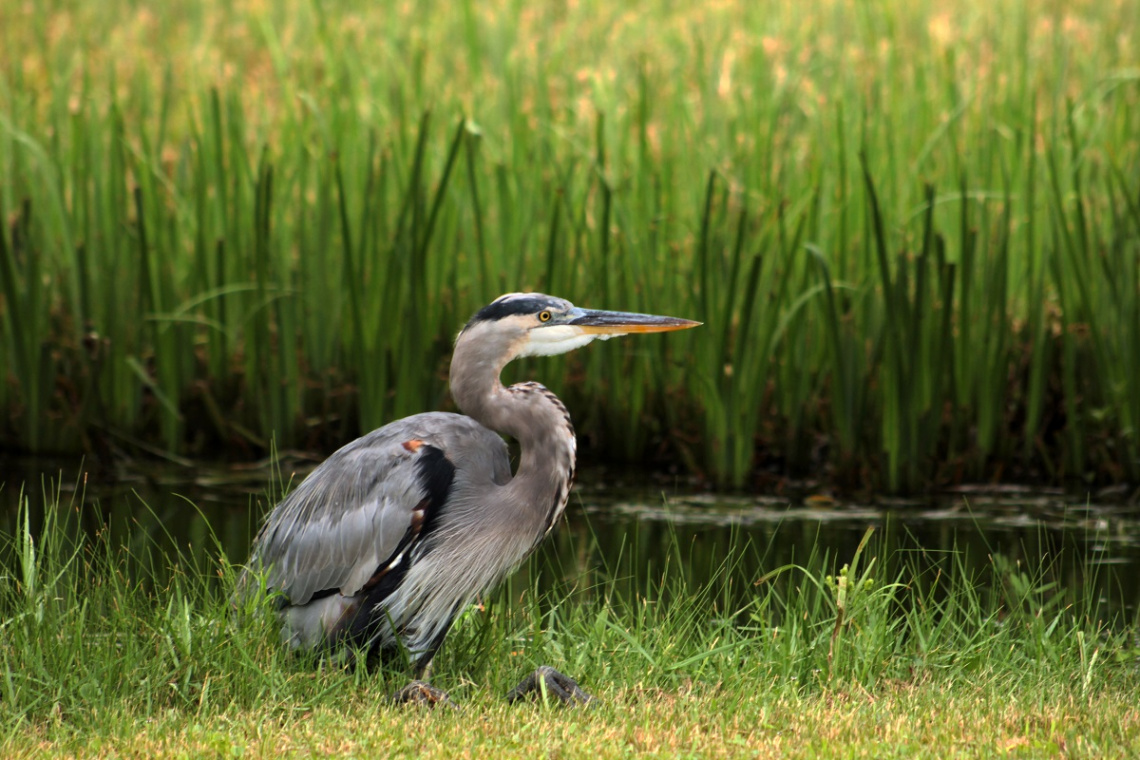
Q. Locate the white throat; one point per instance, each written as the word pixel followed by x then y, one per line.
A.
pixel 551 341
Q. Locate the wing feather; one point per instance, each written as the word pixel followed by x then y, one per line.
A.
pixel 349 516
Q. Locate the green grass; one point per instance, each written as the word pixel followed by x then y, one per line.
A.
pixel 113 647
pixel 911 229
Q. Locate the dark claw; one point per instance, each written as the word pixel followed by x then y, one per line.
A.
pixel 421 693
pixel 553 683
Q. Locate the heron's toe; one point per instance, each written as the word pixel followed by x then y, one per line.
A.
pixel 421 693
pixel 546 681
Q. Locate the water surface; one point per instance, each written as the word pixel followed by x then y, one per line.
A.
pixel 640 531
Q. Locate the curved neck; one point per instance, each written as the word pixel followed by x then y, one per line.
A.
pixel 530 414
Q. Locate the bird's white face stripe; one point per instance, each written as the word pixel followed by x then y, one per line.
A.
pixel 557 339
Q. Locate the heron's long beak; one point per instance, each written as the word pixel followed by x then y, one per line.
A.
pixel 611 323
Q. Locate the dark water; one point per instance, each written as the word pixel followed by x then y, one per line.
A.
pixel 641 532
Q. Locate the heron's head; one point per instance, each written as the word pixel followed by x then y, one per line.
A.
pixel 533 324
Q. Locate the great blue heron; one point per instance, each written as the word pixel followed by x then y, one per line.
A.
pixel 382 545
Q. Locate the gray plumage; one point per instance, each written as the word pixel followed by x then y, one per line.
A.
pixel 394 534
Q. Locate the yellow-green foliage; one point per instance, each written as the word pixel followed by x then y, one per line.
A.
pixel 911 228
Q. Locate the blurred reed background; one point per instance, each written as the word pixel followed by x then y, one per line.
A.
pixel 912 229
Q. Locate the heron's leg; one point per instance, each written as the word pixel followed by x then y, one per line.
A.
pixel 547 680
pixel 421 693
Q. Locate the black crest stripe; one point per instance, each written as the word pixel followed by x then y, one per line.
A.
pixel 509 306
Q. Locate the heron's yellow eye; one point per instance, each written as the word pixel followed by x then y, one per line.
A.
pixel 544 316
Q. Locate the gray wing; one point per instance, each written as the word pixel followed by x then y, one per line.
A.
pixel 365 504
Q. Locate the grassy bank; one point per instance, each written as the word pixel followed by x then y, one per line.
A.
pixel 994 719
pixel 112 648
pixel 911 229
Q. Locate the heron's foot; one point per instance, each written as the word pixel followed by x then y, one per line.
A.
pixel 546 681
pixel 421 693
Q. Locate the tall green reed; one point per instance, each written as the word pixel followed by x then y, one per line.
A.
pixel 905 290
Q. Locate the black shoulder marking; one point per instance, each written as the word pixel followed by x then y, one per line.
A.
pixel 507 307
pixel 436 475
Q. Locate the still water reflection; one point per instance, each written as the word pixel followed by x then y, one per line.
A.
pixel 643 532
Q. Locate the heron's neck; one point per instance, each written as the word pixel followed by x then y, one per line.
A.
pixel 537 419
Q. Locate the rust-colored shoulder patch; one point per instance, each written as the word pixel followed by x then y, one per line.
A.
pixel 413 445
